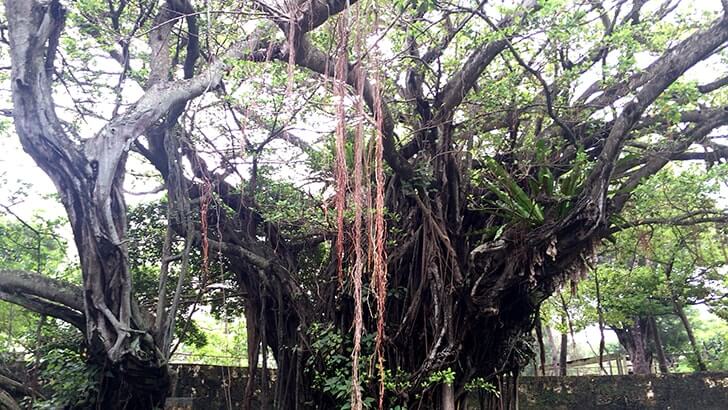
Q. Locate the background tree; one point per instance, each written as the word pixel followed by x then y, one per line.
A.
pixel 499 145
pixel 661 269
pixel 658 265
pixel 34 245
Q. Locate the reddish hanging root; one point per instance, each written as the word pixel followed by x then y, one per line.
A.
pixel 377 230
pixel 380 255
pixel 358 266
pixel 341 176
pixel 359 204
pixel 205 199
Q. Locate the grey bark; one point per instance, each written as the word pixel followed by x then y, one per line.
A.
pixel 661 359
pixel 554 351
pixel 541 347
pixel 448 397
pixel 634 339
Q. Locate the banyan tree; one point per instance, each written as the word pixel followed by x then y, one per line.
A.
pixel 395 186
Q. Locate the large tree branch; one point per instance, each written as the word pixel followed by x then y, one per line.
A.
pixel 47 308
pixel 712 86
pixel 44 295
pixel 160 60
pixel 658 161
pixel 18 281
pixel 714 156
pixel 463 80
pixel 688 219
pixel 40 131
pixel 116 137
pixel 662 73
pixel 316 12
pixel 6 383
pixel 33 97
pixel 639 79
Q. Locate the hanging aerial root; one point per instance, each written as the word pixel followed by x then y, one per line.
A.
pixel 205 200
pixel 340 72
pixel 359 204
pixel 380 257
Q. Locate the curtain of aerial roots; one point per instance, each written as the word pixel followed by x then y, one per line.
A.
pixel 361 201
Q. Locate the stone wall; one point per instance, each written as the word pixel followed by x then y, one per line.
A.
pixel 704 391
pixel 202 387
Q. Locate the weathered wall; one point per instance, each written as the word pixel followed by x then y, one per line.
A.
pixel 202 387
pixel 199 386
pixel 211 387
pixel 704 391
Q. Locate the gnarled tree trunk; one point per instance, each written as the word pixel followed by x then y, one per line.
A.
pixel 89 178
pixel 634 338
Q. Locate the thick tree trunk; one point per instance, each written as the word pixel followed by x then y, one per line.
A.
pixel 563 354
pixel 554 352
pixel 680 312
pixel 600 322
pixel 89 179
pixel 133 385
pixel 254 343
pixel 634 339
pixel 448 397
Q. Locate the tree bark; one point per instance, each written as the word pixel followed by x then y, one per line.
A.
pixel 600 321
pixel 680 312
pixel 563 352
pixel 448 397
pixel 661 359
pixel 470 297
pixel 634 339
pixel 541 347
pixel 89 179
pixel 691 336
pixel 554 352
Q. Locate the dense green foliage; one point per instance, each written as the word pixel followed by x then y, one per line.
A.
pixel 659 264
